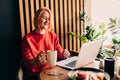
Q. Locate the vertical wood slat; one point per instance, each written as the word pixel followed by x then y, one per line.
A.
pixel 27 16
pixel 37 4
pixel 47 3
pixel 42 3
pixel 77 24
pixel 81 2
pixel 65 24
pixel 21 18
pixel 70 24
pixel 56 18
pixel 82 9
pixel 74 24
pixel 32 12
pixel 61 24
pixel 52 7
pixel 81 6
pixel 66 18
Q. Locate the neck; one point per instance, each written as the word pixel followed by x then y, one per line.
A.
pixel 43 31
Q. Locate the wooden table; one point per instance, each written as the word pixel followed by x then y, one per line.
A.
pixel 62 71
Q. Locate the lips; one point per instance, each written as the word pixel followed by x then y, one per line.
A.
pixel 46 23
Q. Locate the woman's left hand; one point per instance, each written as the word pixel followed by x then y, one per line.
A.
pixel 66 53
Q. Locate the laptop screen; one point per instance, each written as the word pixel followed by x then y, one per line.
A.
pixel 86 55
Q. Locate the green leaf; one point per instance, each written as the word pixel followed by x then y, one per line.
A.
pixel 101 26
pixel 90 34
pixel 118 54
pixel 103 32
pixel 100 55
pixel 110 23
pixel 111 26
pixel 83 39
pixel 109 53
pixel 115 41
pixel 82 19
pixel 87 18
pixel 96 36
pixel 82 14
pixel 112 29
pixel 73 77
pixel 70 33
pixel 115 32
pixel 112 20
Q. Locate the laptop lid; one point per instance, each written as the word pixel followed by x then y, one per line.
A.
pixel 86 55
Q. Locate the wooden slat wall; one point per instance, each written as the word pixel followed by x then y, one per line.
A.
pixel 66 18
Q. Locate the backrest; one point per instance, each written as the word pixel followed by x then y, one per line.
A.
pixel 66 18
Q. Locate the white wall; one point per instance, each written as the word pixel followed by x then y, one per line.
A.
pixel 102 10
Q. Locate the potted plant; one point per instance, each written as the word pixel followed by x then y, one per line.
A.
pixel 90 34
pixel 114 28
pixel 115 48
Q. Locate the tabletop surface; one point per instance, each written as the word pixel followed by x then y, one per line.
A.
pixel 62 74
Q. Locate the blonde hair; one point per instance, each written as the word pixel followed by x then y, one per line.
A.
pixel 36 17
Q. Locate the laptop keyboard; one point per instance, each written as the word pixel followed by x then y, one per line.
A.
pixel 71 64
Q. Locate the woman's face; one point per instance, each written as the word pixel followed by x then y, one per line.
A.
pixel 43 20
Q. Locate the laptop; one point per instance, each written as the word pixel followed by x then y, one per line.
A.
pixel 86 55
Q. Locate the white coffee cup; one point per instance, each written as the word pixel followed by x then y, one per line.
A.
pixel 52 57
pixel 96 64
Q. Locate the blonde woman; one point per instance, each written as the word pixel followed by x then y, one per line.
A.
pixel 36 43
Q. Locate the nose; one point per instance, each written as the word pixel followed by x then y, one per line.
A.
pixel 46 21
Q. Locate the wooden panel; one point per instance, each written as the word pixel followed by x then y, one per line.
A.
pixel 65 16
pixel 65 24
pixel 73 23
pixel 22 24
pixel 27 16
pixel 47 3
pixel 70 24
pixel 82 9
pixel 37 4
pixel 52 6
pixel 61 24
pixel 81 4
pixel 77 24
pixel 32 12
pixel 56 18
pixel 42 3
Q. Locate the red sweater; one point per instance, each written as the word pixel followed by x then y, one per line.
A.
pixel 33 43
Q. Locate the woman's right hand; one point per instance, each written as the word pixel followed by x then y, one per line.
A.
pixel 42 58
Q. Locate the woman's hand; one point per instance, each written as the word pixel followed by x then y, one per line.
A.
pixel 42 58
pixel 66 53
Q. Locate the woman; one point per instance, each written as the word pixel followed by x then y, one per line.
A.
pixel 36 43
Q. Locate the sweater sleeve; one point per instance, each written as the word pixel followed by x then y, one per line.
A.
pixel 27 56
pixel 58 46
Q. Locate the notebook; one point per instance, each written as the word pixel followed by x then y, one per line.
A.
pixel 86 55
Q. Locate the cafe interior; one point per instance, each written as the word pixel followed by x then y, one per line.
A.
pixel 74 24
